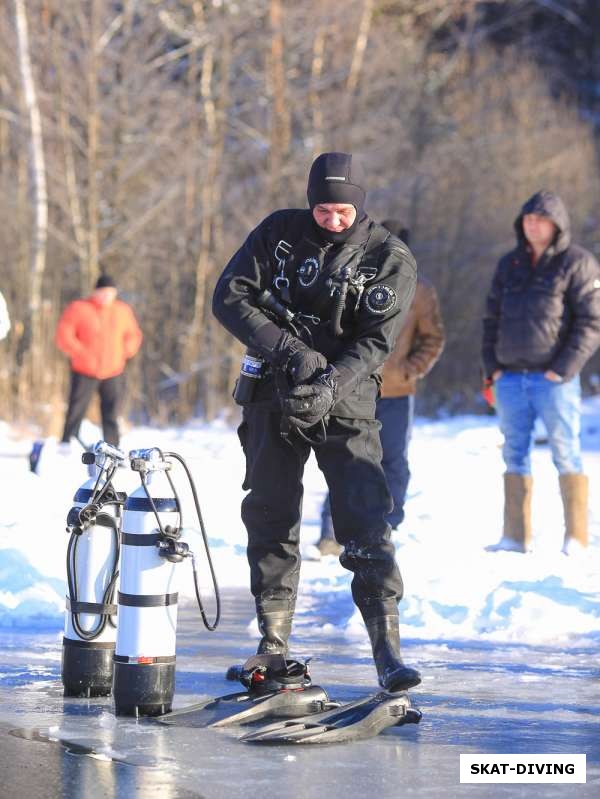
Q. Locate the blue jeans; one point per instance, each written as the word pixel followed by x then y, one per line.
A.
pixel 396 417
pixel 523 396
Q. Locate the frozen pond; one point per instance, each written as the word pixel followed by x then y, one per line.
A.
pixel 475 697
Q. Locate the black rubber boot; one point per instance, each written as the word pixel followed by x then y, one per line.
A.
pixel 275 624
pixel 393 675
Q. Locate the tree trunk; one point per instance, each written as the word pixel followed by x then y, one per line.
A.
pixel 32 334
pixel 280 122
pixel 93 141
pixel 314 98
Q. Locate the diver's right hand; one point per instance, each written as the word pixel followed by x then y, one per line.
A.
pixel 299 361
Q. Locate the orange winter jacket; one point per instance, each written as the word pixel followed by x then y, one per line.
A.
pixel 99 339
pixel 418 346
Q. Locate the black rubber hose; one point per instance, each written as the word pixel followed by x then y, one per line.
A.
pixel 108 596
pixel 207 624
pixel 338 308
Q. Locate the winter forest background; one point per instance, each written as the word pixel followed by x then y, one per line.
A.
pixel 147 137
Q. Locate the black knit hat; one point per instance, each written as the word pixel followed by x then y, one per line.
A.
pixel 105 282
pixel 331 180
pixel 397 229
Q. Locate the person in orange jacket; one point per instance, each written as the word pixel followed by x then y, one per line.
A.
pixel 99 334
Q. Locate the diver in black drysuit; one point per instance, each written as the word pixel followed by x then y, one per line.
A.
pixel 349 284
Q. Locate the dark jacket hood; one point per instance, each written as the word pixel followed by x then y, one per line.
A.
pixel 546 203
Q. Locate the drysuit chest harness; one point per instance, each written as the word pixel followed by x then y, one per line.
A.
pixel 323 283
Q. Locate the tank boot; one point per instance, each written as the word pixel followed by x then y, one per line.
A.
pixel 393 675
pixel 275 624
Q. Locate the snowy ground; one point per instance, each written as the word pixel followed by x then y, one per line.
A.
pixel 466 611
pixel 455 590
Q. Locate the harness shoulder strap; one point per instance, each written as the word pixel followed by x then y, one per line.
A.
pixel 369 265
pixel 282 252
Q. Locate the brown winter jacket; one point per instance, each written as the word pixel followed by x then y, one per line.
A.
pixel 418 346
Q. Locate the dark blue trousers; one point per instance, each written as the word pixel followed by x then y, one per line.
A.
pixel 396 417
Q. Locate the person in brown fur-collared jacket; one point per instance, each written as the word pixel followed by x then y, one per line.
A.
pixel 418 346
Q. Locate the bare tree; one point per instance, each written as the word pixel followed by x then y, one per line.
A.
pixel 32 333
pixel 172 127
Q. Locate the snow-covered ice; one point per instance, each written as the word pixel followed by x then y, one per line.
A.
pixel 507 643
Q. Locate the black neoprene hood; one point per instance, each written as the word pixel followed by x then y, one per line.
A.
pixel 331 180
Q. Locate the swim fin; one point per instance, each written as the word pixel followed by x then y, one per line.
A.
pixel 276 687
pixel 354 721
pixel 248 706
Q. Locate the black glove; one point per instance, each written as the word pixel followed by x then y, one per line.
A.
pixel 299 362
pixel 308 403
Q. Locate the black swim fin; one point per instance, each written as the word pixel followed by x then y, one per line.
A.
pixel 248 706
pixel 354 721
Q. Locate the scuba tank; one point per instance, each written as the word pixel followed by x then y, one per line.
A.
pixel 92 563
pixel 144 660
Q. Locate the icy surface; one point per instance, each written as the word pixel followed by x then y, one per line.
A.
pixel 507 643
pixel 475 697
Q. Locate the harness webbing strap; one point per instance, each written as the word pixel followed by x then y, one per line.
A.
pixel 75 606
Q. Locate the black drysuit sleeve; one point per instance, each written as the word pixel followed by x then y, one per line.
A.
pixel 249 272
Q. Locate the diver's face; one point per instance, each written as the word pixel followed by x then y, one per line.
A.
pixel 335 217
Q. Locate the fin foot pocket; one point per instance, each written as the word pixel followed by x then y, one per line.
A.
pixel 272 672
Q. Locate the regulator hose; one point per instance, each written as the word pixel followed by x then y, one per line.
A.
pixel 101 497
pixel 340 303
pixel 108 595
pixel 211 626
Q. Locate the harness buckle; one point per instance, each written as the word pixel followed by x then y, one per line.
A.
pixel 282 250
pixel 367 272
pixel 359 285
pixel 280 281
pixel 316 320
